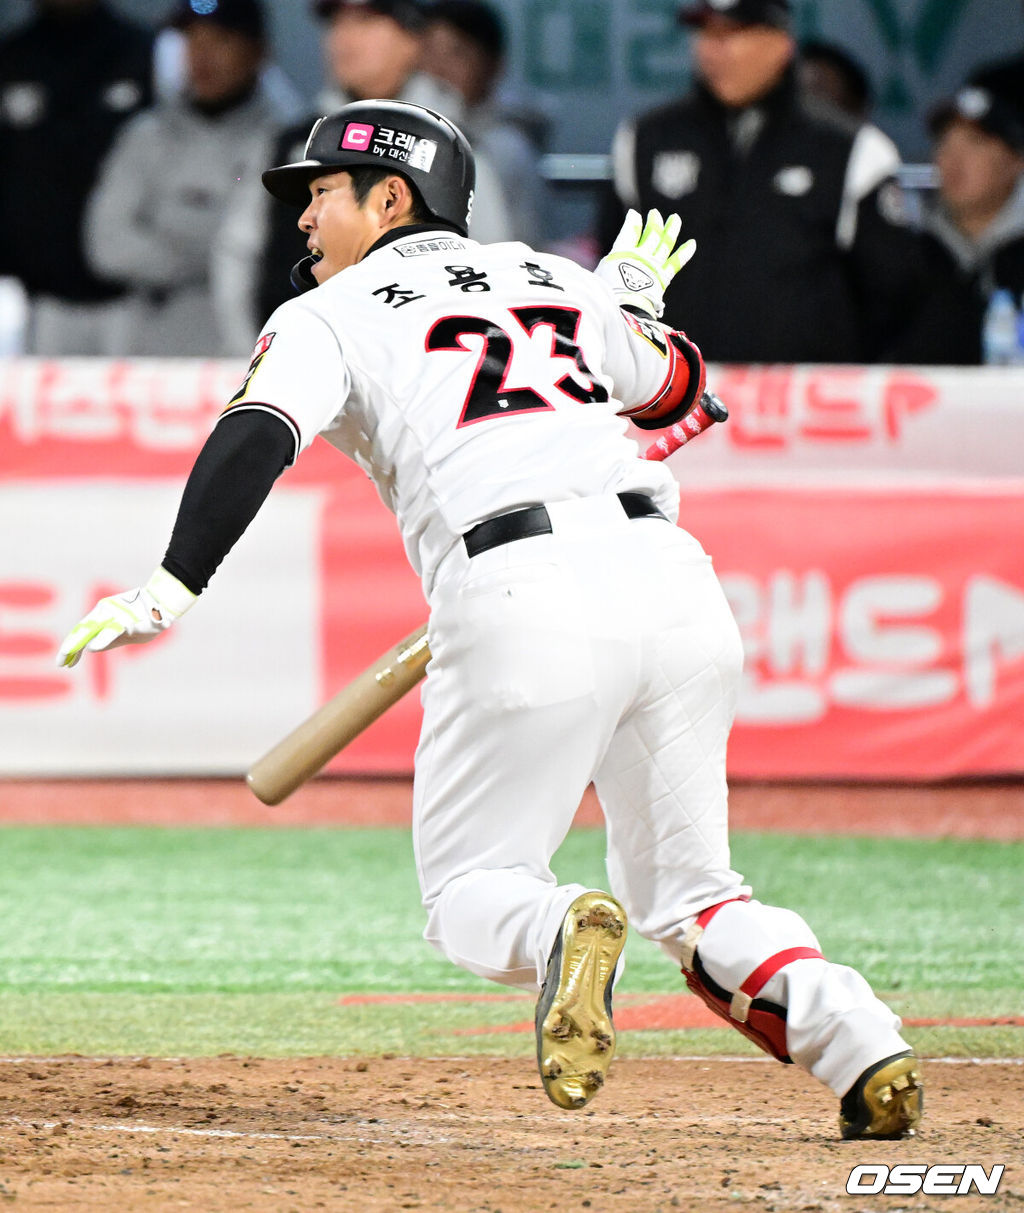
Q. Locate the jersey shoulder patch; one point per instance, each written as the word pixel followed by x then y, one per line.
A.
pixel 258 354
pixel 650 330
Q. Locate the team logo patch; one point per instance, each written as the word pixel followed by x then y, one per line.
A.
pixel 892 204
pixel 635 278
pixel 674 174
pixel 258 355
pixel 122 96
pixel 23 104
pixel 974 103
pixel 650 330
pixel 389 144
pixel 794 181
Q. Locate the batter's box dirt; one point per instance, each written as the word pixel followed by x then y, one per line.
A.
pixel 391 1133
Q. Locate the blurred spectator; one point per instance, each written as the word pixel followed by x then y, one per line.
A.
pixel 170 76
pixel 974 225
pixel 464 46
pixel 803 251
pixel 372 49
pixel 831 74
pixel 68 80
pixel 165 190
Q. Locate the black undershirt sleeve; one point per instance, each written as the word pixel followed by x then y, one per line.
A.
pixel 232 475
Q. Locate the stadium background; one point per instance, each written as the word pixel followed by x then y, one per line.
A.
pixel 584 64
pixel 870 524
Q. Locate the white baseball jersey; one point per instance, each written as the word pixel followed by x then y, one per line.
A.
pixel 466 380
pixel 470 380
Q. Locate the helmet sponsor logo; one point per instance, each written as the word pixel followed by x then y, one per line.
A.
pixel 389 144
pixel 357 137
pixel 422 153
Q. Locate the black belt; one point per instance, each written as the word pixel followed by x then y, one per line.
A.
pixel 535 520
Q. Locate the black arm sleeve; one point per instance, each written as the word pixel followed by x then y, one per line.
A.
pixel 230 480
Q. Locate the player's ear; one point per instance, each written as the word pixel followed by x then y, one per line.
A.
pixel 397 201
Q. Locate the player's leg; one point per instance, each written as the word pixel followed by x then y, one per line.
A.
pixel 663 789
pixel 489 811
pixel 520 701
pixel 512 729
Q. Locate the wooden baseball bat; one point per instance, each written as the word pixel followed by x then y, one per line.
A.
pixel 308 748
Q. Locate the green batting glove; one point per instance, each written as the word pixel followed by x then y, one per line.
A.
pixel 129 618
pixel 644 260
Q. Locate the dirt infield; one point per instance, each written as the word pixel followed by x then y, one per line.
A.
pixel 478 1135
pixel 472 1136
pixel 962 810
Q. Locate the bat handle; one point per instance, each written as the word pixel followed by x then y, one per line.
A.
pixel 708 410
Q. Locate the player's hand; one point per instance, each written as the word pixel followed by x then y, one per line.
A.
pixel 132 617
pixel 644 260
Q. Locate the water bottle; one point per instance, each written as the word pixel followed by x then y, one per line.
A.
pixel 1020 332
pixel 13 317
pixel 999 337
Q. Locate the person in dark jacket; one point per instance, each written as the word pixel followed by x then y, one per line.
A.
pixel 805 254
pixel 69 79
pixel 973 225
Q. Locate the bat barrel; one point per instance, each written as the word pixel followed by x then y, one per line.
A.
pixel 310 746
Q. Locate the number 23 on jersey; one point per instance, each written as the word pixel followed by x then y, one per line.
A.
pixel 489 394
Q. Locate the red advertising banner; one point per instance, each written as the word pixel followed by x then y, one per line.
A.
pixel 883 630
pixel 867 524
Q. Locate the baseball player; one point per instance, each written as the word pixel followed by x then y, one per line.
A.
pixel 577 633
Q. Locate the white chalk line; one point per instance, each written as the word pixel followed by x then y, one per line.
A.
pixel 180 1131
pixel 709 1059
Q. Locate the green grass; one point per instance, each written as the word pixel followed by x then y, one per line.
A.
pixel 126 941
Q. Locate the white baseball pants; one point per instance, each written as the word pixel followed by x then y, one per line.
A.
pixel 604 652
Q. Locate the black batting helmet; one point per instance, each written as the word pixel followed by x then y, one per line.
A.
pixel 417 143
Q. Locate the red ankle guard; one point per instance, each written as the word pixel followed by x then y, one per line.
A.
pixel 759 1020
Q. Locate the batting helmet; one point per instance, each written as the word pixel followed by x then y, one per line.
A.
pixel 417 143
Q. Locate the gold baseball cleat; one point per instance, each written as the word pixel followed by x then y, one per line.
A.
pixel 885 1102
pixel 575 1033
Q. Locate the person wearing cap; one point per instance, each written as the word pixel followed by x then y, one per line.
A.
pixel 829 72
pixel 464 46
pixel 806 255
pixel 973 225
pixel 1004 76
pixel 372 50
pixel 169 184
pixel 70 78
